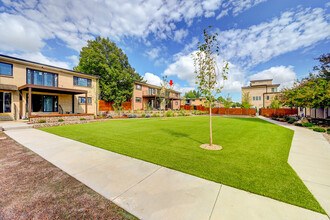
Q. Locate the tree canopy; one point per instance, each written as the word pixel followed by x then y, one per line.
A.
pixel 312 91
pixel 246 101
pixel 103 58
pixel 192 94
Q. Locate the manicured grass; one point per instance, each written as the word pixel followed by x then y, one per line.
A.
pixel 254 155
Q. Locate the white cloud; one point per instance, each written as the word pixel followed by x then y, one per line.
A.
pixel 74 59
pixel 179 35
pixel 153 53
pixel 74 22
pixel 19 33
pixel 280 74
pixel 183 68
pixel 152 79
pixel 260 43
pixel 40 58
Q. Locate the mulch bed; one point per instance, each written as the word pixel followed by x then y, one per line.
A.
pixel 33 188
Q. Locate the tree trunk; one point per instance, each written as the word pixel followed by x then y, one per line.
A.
pixel 210 123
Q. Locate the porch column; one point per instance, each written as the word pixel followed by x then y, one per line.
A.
pixel 72 103
pixel 86 102
pixel 20 105
pixel 30 101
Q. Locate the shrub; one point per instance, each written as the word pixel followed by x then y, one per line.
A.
pixel 109 116
pixel 154 115
pixel 328 132
pixel 298 124
pixel 266 115
pixel 143 115
pixel 148 116
pixel 82 119
pixel 100 116
pixel 318 129
pixel 60 120
pixel 328 129
pixel 42 121
pixel 291 121
pixel 308 124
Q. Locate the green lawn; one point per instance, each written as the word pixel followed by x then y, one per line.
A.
pixel 254 155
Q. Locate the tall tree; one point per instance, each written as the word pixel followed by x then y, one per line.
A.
pixel 324 67
pixel 207 72
pixel 103 58
pixel 192 94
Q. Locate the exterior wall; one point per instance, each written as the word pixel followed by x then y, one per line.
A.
pixel 320 113
pixel 144 100
pixel 65 80
pixel 263 82
pixel 263 92
pixel 271 97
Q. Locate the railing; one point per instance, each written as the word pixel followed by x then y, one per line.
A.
pixel 60 109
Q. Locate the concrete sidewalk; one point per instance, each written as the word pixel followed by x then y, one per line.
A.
pixel 310 158
pixel 149 191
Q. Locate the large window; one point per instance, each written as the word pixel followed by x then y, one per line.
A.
pixel 42 103
pixel 151 91
pixel 82 100
pixel 5 102
pixel 79 81
pixel 139 87
pixel 40 78
pixel 6 69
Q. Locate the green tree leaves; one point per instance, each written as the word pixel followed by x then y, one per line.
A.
pixel 103 58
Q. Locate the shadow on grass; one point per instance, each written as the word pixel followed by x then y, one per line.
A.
pixel 180 134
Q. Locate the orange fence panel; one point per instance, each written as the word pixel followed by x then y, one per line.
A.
pixel 280 112
pixel 107 106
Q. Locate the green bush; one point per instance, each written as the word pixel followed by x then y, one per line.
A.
pixel 328 132
pixel 328 129
pixel 291 121
pixel 60 120
pixel 318 129
pixel 82 119
pixel 42 121
pixel 298 124
pixel 143 115
pixel 109 116
pixel 308 124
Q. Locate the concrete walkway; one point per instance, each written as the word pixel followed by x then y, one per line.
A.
pixel 149 191
pixel 310 158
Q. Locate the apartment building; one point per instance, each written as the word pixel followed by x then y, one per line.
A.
pixel 147 96
pixel 29 88
pixel 261 92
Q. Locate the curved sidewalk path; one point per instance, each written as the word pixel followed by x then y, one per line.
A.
pixel 310 158
pixel 149 191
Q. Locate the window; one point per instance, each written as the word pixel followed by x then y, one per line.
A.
pixel 5 102
pixel 268 97
pixel 176 95
pixel 40 78
pixel 79 81
pixel 42 103
pixel 259 97
pixel 6 69
pixel 82 100
pixel 137 86
pixel 151 91
pixel 138 99
pixel 254 98
pixel 176 103
pixel 273 89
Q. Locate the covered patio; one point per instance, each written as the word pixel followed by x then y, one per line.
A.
pixel 45 101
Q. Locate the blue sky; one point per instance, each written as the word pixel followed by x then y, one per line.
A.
pixel 259 38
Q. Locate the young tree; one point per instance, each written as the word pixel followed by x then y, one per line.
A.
pixel 207 72
pixel 164 93
pixel 246 101
pixel 103 58
pixel 275 104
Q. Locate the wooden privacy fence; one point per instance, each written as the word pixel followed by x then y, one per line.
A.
pixel 107 106
pixel 223 111
pixel 280 112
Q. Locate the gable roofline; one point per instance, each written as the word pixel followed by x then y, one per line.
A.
pixel 260 80
pixel 45 65
pixel 153 86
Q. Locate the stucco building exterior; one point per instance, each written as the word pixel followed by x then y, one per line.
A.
pixel 147 96
pixel 261 92
pixel 29 88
